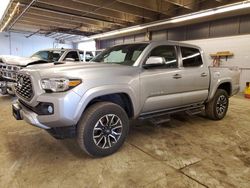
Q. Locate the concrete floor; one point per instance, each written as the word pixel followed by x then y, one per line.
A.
pixel 186 152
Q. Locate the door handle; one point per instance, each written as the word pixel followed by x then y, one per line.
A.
pixel 177 76
pixel 203 74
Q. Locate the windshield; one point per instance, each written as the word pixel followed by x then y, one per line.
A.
pixel 49 55
pixel 125 54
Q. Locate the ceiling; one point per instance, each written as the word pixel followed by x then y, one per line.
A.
pixel 66 19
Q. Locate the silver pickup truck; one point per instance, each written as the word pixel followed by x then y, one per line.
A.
pixel 95 101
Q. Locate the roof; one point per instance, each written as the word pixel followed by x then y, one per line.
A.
pixel 163 42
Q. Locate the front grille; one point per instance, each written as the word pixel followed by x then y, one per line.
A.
pixel 24 87
pixel 9 71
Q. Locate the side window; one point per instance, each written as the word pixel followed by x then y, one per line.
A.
pixel 81 53
pixel 89 56
pixel 191 57
pixel 72 55
pixel 168 53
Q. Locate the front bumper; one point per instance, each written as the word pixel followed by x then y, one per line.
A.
pixel 3 87
pixel 7 87
pixel 64 113
pixel 20 112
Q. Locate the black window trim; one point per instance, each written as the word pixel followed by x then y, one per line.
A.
pixel 180 55
pixel 176 53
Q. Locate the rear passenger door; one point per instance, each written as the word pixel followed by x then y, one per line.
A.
pixel 195 76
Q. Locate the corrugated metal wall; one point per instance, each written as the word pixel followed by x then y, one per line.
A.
pixel 219 28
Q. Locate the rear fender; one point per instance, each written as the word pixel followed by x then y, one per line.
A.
pixel 214 87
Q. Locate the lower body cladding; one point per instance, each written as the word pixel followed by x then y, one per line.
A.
pixel 56 115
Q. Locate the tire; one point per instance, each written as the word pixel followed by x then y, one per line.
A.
pixel 216 109
pixel 102 129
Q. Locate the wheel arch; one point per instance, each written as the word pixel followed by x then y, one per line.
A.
pixel 121 99
pixel 225 85
pixel 123 96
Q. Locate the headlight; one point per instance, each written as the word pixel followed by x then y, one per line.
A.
pixel 59 84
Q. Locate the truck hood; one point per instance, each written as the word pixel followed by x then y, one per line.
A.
pixel 78 69
pixel 19 61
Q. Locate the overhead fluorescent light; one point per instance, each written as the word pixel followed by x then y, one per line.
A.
pixel 192 16
pixel 227 8
pixel 116 32
pixel 3 7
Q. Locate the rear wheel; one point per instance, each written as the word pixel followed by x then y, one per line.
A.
pixel 216 109
pixel 102 129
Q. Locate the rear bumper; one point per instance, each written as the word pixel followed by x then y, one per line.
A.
pixel 235 89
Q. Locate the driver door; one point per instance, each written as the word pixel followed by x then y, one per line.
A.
pixel 160 84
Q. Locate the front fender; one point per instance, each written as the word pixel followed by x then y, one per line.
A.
pixel 105 90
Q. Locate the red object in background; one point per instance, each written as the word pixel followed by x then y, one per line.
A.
pixel 247 96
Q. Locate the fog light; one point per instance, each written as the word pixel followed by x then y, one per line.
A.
pixel 50 109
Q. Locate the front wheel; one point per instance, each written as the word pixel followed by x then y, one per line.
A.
pixel 102 129
pixel 216 109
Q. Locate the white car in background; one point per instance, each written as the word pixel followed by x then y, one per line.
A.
pixel 10 65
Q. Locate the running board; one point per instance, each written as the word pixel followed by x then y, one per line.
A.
pixel 160 120
pixel 191 110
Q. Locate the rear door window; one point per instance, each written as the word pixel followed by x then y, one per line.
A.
pixel 72 55
pixel 191 57
pixel 89 56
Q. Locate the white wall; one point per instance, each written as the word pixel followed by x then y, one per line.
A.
pixel 89 45
pixel 18 44
pixel 239 45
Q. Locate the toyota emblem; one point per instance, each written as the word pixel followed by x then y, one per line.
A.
pixel 20 83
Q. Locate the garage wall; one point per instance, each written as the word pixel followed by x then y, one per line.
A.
pixel 230 34
pixel 89 45
pixel 238 25
pixel 18 44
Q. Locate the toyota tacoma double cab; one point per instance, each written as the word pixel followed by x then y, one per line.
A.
pixel 95 101
pixel 10 65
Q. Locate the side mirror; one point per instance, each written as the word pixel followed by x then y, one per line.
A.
pixel 69 59
pixel 154 61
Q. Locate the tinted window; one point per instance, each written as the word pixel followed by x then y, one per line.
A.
pixel 89 56
pixel 81 55
pixel 72 55
pixel 168 53
pixel 191 57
